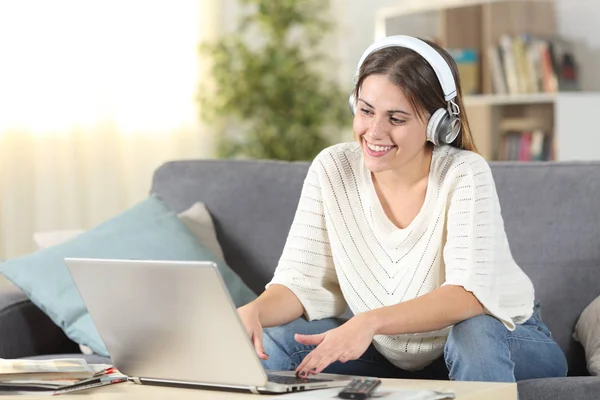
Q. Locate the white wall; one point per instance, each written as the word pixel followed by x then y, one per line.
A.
pixel 579 20
pixel 356 31
pixel 577 137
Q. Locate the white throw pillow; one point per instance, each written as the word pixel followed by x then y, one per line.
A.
pixel 196 218
pixel 587 332
pixel 43 240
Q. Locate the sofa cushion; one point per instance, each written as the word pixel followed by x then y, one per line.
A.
pixel 252 203
pixel 148 230
pixel 25 329
pixel 551 213
pixel 587 332
pixel 573 387
pixel 196 218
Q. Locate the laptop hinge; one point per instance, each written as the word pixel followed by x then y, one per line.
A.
pixel 197 385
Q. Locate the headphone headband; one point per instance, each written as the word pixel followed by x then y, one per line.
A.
pixel 437 62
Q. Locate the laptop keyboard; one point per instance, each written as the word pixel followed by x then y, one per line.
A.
pixel 291 380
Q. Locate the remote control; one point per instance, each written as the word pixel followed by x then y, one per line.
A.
pixel 359 388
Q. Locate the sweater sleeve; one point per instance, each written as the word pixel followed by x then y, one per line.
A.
pixel 476 245
pixel 306 264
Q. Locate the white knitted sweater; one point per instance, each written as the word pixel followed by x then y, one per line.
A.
pixel 342 249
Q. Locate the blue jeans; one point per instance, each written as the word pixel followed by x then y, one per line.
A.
pixel 478 349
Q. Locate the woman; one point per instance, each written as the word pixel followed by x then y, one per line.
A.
pixel 403 227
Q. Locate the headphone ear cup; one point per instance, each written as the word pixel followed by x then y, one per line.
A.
pixel 453 129
pixel 443 128
pixel 435 126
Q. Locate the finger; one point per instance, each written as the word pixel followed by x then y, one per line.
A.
pixel 317 364
pixel 301 369
pixel 258 345
pixel 314 340
pixel 307 365
pixel 312 361
pixel 322 364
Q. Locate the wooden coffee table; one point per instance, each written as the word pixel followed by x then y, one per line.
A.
pixel 464 391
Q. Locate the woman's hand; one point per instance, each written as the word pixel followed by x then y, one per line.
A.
pixel 347 342
pixel 250 319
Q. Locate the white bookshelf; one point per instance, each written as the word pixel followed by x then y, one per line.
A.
pixel 563 116
pixel 509 99
pixel 414 7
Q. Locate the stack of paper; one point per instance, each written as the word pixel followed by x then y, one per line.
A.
pixel 54 376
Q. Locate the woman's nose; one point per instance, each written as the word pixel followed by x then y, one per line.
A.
pixel 377 129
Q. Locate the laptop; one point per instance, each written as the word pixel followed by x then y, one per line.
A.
pixel 173 323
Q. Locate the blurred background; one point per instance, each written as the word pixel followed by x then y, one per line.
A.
pixel 96 94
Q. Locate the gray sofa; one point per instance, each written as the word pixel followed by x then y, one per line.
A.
pixel 551 213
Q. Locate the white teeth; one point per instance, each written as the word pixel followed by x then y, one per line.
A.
pixel 378 148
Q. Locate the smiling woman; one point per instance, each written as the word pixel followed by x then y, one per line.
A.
pixel 404 228
pixel 94 96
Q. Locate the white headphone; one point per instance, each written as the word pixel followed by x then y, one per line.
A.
pixel 444 124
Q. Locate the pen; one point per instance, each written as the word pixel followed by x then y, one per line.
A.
pixel 107 371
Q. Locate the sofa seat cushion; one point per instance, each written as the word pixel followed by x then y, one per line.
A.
pixel 573 387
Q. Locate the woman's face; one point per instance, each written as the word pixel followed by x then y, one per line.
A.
pixel 386 125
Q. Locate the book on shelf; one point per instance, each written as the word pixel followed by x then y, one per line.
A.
pixel 467 62
pixel 54 377
pixel 532 64
pixel 527 145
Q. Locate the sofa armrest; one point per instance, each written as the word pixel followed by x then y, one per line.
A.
pixel 25 331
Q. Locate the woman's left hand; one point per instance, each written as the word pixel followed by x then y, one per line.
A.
pixel 346 342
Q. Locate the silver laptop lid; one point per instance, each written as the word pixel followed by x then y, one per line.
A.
pixel 167 320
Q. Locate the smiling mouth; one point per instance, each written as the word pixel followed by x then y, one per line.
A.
pixel 377 150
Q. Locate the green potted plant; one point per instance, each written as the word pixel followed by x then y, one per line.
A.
pixel 271 100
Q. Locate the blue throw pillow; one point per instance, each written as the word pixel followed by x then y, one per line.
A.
pixel 149 230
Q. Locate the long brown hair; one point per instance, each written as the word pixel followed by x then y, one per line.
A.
pixel 419 83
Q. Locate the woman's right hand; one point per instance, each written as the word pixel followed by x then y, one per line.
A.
pixel 250 319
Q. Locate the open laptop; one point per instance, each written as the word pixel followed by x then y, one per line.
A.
pixel 173 323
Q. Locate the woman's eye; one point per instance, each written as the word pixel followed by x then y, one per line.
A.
pixel 397 121
pixel 366 111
